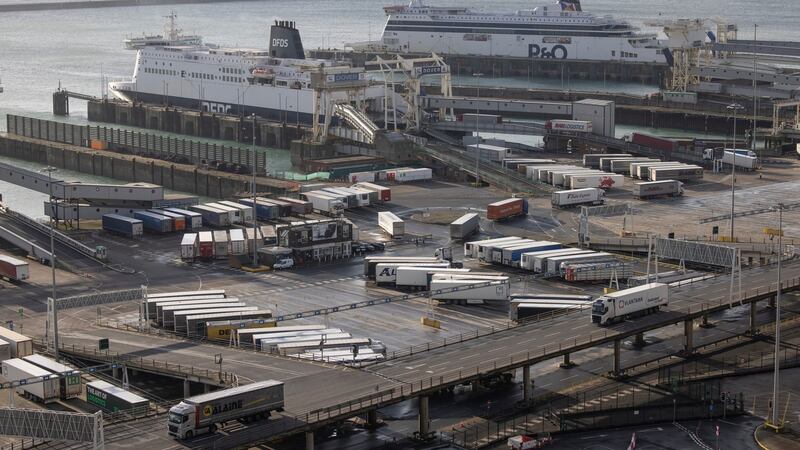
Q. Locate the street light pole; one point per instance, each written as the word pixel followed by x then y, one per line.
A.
pixel 477 129
pixel 776 375
pixel 755 89
pixel 735 107
pixel 53 211
pixel 255 214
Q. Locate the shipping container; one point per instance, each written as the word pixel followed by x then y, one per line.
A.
pixel 650 189
pixel 189 247
pixel 576 197
pixel 507 209
pixel 41 385
pixel 298 206
pixel 205 245
pixel 194 220
pixel 245 211
pixel 629 303
pixel 178 220
pixel 20 344
pixel 681 173
pixel 179 317
pixel 114 399
pixel 593 159
pixel 391 224
pixel 203 413
pixel 386 273
pixel 70 384
pixel 361 177
pixel 212 217
pixel 14 269
pixel 234 214
pixel 575 126
pixel 601 181
pixel 123 226
pixel 154 223
pixel 196 323
pixel 237 242
pixel 465 226
pixel 371 262
pixel 471 248
pixel 221 244
pixel 384 193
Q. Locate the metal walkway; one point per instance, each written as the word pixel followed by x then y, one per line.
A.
pixel 359 121
pixel 779 48
pixel 498 105
pixel 505 127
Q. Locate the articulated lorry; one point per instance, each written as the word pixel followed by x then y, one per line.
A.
pixel 203 413
pixel 628 303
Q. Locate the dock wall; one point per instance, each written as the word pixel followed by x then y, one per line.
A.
pixel 128 168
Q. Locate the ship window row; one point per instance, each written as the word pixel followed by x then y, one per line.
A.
pixel 629 55
pixel 161 71
pixel 231 70
pixel 232 79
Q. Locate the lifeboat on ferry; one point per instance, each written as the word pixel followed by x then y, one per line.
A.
pixel 263 72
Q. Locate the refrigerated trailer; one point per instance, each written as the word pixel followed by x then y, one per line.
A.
pixel 489 290
pixel 465 226
pixel 681 173
pixel 298 206
pixel 602 181
pixel 194 220
pixel 179 317
pixel 70 384
pixel 234 214
pixel 205 245
pixel 577 197
pixel 486 253
pixel 384 193
pixel 643 169
pixel 386 273
pixel 245 211
pixel 511 256
pixel 391 224
pixel 554 263
pixel 593 159
pixel 221 244
pixel 519 310
pixel 412 277
pixel 196 324
pixel 537 261
pixel 471 248
pixel 166 314
pixel 114 399
pixel 189 247
pixel 324 202
pixel 153 305
pixel 41 385
pixel 178 221
pixel 213 217
pixel 669 188
pixel 629 303
pixel 237 242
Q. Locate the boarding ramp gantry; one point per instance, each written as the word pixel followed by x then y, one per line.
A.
pixel 357 120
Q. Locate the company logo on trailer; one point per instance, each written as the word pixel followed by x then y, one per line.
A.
pixel 210 410
pixel 606 183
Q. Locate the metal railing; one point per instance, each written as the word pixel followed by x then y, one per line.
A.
pixel 57 235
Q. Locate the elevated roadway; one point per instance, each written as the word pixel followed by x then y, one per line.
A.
pixel 549 109
pixel 505 127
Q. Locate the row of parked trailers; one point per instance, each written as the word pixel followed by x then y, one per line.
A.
pixel 219 244
pixel 14 345
pixel 399 175
pixel 548 258
pixel 191 313
pixel 573 177
pixel 649 169
pixel 334 199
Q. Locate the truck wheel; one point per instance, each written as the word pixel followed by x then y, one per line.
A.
pixel 188 435
pixel 212 428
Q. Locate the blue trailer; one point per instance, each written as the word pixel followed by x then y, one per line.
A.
pixel 154 223
pixel 264 210
pixel 122 225
pixel 194 220
pixel 513 255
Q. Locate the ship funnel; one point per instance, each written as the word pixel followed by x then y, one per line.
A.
pixel 285 41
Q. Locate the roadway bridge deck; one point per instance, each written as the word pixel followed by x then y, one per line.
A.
pixel 504 127
pixel 549 109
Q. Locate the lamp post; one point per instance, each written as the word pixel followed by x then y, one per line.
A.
pixel 755 89
pixel 477 75
pixel 255 214
pixel 733 107
pixel 53 213
pixel 776 375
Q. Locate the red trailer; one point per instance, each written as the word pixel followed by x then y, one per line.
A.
pixel 654 142
pixel 384 193
pixel 506 209
pixel 205 246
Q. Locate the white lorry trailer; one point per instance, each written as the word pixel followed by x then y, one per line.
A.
pixel 628 303
pixel 41 385
pixel 203 413
pixel 412 277
pixel 650 189
pixel 386 273
pixel 69 381
pixel 487 289
pixel 577 197
pixel 391 224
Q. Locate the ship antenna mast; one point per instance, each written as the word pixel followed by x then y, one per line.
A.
pixel 171 29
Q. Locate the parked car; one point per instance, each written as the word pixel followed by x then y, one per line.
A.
pixel 285 263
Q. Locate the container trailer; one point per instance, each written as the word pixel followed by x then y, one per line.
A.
pixel 507 209
pixel 213 217
pixel 601 181
pixel 196 324
pixel 471 248
pixel 650 189
pixel 154 223
pixel 41 385
pixel 682 173
pixel 537 262
pixel 384 193
pixel 575 126
pixel 386 273
pixel 123 226
pixel 600 271
pixel 465 226
pixel 205 245
pixel 179 325
pixel 114 399
pixel 234 214
pixel 554 263
pixel 577 197
pixel 301 207
pixel 491 290
pixel 593 159
pixel 69 381
pixel 221 244
pixel 238 244
pixel 391 224
pixel 245 211
pixel 194 220
pixel 629 303
pixel 418 278
pixel 324 202
pixel 189 247
pixel 178 221
pixel 741 161
pixel 14 269
pixel 19 344
pixel 371 262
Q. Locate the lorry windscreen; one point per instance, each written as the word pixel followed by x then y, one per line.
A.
pixel 598 308
pixel 177 418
